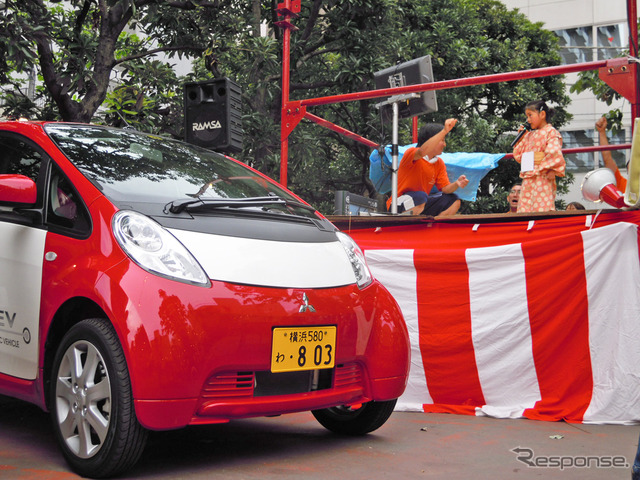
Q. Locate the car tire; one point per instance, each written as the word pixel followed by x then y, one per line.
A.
pixel 91 402
pixel 349 421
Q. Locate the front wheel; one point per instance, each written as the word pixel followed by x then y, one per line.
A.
pixel 92 405
pixel 349 421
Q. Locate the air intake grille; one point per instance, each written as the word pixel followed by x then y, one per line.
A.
pixel 236 385
pixel 225 385
pixel 347 375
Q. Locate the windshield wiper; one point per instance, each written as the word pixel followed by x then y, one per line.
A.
pixel 200 204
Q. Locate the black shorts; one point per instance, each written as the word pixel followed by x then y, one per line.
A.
pixel 438 203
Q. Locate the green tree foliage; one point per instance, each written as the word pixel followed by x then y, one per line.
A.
pixel 78 45
pixel 147 98
pixel 336 48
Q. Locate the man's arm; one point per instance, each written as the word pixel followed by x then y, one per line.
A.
pixel 609 162
pixel 461 182
pixel 430 148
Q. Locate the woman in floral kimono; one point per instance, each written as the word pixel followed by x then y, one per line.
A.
pixel 540 154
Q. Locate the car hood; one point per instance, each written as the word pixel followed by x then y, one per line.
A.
pixel 269 263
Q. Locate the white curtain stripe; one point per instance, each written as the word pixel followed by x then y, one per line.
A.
pixel 396 270
pixel 501 332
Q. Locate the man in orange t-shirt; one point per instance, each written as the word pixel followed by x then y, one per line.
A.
pixel 421 168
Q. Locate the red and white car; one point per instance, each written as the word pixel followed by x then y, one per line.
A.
pixel 148 284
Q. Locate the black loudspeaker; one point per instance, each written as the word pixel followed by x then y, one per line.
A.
pixel 213 114
pixel 413 72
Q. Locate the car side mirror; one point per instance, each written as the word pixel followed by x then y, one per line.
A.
pixel 17 189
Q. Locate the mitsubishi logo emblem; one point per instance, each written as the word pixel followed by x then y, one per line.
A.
pixel 305 306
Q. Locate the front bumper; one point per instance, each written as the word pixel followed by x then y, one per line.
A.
pixel 203 355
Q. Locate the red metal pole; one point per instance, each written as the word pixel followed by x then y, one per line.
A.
pixel 342 131
pixel 287 10
pixel 632 16
pixel 463 82
pixel 284 139
pixel 595 148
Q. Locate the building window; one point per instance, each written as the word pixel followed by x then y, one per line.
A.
pixel 585 44
pixel 576 45
pixel 613 40
pixel 585 161
pixel 578 162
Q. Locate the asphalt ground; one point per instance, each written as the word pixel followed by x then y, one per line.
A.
pixel 408 446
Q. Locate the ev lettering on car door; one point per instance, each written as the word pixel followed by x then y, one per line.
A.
pixel 21 260
pixel 21 257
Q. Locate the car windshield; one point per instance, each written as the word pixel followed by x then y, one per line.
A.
pixel 130 166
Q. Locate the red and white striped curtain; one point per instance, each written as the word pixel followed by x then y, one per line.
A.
pixel 537 319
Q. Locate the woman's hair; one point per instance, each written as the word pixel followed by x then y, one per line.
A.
pixel 541 106
pixel 429 130
pixel 576 205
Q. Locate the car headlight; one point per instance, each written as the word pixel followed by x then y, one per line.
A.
pixel 356 258
pixel 155 249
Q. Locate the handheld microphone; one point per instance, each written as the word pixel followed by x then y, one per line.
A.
pixel 527 127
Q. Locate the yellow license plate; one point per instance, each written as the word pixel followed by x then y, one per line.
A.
pixel 303 348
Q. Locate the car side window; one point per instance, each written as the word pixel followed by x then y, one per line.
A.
pixel 65 209
pixel 19 157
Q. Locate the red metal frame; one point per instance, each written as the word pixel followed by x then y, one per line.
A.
pixel 287 10
pixel 595 148
pixel 621 74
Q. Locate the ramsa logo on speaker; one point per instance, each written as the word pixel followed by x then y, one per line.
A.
pixel 212 125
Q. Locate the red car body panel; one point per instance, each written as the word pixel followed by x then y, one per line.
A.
pixel 182 335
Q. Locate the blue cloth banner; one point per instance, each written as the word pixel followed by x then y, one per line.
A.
pixel 474 165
